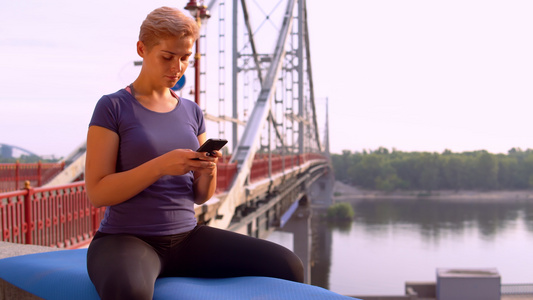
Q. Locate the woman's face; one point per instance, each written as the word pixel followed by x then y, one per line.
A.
pixel 166 62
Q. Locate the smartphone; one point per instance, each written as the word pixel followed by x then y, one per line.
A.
pixel 211 145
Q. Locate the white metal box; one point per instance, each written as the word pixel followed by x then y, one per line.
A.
pixel 468 284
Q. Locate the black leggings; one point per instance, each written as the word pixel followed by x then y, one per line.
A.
pixel 125 266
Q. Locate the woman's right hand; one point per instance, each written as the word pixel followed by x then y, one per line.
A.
pixel 182 161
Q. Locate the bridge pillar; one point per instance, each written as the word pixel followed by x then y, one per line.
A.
pixel 298 229
pixel 321 191
pixel 319 194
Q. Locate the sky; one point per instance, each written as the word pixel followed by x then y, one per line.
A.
pixel 413 75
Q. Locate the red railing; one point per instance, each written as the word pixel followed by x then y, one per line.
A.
pixel 13 175
pixel 59 216
pixel 225 173
pixel 280 163
pixel 63 217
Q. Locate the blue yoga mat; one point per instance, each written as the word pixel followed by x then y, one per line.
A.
pixel 62 275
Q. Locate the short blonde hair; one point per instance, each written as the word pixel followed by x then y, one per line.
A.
pixel 166 22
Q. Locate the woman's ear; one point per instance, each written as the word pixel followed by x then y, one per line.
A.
pixel 141 49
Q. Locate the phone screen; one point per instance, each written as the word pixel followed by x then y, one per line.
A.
pixel 211 145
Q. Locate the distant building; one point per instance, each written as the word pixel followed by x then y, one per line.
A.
pixel 10 151
pixel 6 151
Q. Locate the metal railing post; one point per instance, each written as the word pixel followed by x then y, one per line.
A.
pixel 28 215
pixel 39 174
pixel 17 165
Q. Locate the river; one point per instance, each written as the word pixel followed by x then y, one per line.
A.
pixel 393 241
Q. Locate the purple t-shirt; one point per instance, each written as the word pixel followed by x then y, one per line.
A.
pixel 167 206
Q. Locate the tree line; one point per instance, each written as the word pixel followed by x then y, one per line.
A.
pixel 386 170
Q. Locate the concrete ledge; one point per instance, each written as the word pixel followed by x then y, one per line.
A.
pixel 11 292
pixel 7 290
pixel 424 289
pixel 13 249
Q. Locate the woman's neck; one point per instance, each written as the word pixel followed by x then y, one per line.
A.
pixel 156 99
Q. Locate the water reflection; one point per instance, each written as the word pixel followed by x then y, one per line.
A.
pixel 390 242
pixel 434 218
pixel 340 226
pixel 321 249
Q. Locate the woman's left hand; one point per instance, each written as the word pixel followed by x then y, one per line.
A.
pixel 208 169
pixel 205 177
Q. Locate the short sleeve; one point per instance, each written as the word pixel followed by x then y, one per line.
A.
pixel 105 114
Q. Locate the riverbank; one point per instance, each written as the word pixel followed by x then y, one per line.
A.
pixel 344 192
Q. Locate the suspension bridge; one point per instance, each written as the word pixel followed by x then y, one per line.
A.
pixel 278 154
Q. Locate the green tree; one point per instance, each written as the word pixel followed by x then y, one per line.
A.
pixel 366 171
pixel 453 172
pixel 388 170
pixel 428 164
pixel 486 171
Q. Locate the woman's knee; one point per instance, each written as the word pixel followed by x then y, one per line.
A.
pixel 281 262
pixel 122 267
pixel 125 287
pixel 294 266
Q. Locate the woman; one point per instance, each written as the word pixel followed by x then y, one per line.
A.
pixel 141 166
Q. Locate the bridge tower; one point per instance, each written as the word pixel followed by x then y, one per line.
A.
pixel 271 108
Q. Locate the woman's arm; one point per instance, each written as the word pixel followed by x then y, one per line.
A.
pixel 106 187
pixel 205 179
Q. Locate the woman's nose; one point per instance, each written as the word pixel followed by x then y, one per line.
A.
pixel 177 67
